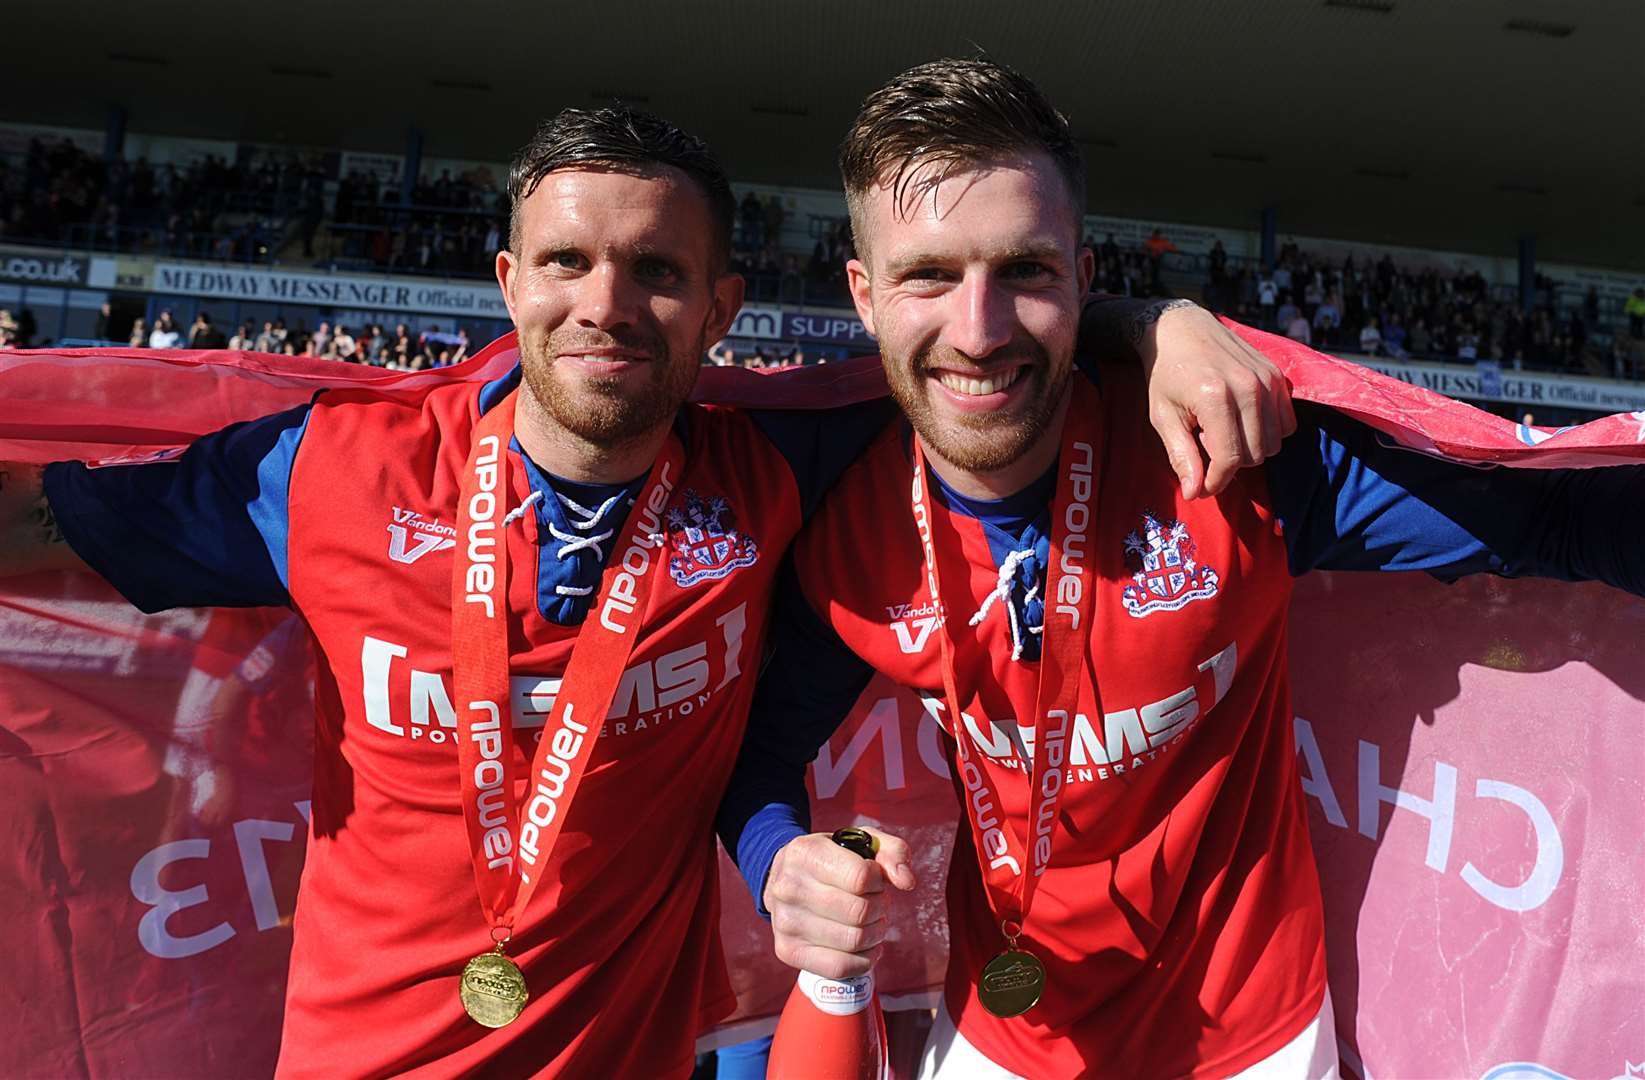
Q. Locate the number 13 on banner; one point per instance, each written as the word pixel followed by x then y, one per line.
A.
pixel 249 836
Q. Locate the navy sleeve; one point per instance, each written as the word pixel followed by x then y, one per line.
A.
pixel 805 691
pixel 1105 324
pixel 819 444
pixel 1349 498
pixel 205 530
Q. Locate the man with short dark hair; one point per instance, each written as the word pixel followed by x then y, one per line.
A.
pixel 203 335
pixel 1133 893
pixel 615 277
pixel 572 547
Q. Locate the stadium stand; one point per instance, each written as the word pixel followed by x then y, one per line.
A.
pixel 274 208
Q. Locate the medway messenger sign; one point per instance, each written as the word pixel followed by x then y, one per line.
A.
pixel 1486 383
pixel 329 290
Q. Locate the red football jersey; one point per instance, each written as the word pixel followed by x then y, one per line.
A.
pixel 619 944
pixel 1179 920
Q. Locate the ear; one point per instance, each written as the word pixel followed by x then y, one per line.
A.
pixel 507 267
pixel 728 300
pixel 1085 269
pixel 862 294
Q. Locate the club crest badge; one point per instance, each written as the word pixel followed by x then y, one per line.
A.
pixel 1165 576
pixel 704 541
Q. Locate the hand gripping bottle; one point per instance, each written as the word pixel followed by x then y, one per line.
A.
pixel 832 1029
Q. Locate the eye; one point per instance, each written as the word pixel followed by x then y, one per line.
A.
pixel 567 260
pixel 658 271
pixel 927 275
pixel 1027 271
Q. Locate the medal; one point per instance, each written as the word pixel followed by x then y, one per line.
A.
pixel 493 989
pixel 1011 865
pixel 1011 983
pixel 510 844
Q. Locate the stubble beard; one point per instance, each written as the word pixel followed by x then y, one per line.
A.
pixel 979 442
pixel 608 411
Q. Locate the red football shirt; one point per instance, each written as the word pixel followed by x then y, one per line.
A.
pixel 1179 920
pixel 347 511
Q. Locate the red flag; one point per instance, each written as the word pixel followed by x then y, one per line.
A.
pixel 1474 774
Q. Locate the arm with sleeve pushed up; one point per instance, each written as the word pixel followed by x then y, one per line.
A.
pixel 1112 325
pixel 1350 499
pixel 207 529
pixel 1217 403
pixel 805 692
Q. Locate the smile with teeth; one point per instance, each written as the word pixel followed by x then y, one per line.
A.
pixel 971 387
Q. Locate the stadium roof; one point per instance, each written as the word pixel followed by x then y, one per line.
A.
pixel 1458 124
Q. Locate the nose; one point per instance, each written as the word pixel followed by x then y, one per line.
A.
pixel 983 316
pixel 606 298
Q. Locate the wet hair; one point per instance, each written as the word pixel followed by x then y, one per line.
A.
pixel 620 138
pixel 952 114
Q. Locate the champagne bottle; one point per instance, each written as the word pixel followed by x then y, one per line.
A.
pixel 832 1029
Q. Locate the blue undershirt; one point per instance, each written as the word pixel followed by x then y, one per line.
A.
pixel 1015 525
pixel 566 584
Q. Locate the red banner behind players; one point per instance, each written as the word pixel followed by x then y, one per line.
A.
pixel 1472 755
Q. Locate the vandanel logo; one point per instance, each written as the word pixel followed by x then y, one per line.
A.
pixel 411 535
pixel 912 624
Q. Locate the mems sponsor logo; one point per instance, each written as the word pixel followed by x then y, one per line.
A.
pixel 405 701
pixel 1100 748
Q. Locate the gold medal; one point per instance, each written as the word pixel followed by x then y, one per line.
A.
pixel 1011 983
pixel 493 989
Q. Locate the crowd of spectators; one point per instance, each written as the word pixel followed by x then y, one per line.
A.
pixel 453 225
pixel 59 193
pixel 1383 309
pixel 400 349
pixel 1130 270
pixel 776 275
pixel 245 210
pixel 1373 308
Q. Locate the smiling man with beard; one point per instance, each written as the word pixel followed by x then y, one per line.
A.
pixel 1133 893
pixel 447 548
pixel 604 386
